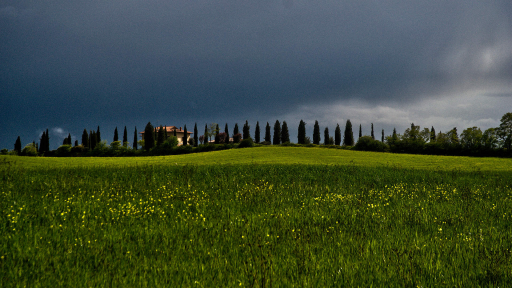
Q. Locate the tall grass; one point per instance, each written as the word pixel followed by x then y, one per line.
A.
pixel 254 225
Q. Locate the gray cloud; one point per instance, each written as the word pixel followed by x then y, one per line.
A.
pixel 114 63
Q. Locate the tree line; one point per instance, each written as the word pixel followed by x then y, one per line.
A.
pixel 472 141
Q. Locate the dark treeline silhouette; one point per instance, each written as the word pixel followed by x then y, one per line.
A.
pixel 160 141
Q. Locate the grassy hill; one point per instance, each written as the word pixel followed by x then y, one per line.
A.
pixel 267 216
pixel 280 155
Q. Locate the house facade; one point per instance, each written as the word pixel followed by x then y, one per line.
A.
pixel 180 133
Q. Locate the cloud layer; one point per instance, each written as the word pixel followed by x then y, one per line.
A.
pixel 113 63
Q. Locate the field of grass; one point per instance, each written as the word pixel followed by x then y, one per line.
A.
pixel 269 216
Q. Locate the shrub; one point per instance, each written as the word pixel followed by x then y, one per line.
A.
pixel 246 143
pixel 29 150
pixel 367 143
pixel 63 151
pixel 4 151
pixel 79 150
pixel 237 137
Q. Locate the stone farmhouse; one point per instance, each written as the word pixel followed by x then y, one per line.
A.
pixel 170 132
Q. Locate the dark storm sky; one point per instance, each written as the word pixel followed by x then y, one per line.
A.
pixel 70 65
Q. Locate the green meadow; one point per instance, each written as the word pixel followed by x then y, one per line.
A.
pixel 255 217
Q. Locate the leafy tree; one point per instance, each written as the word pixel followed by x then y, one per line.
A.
pixel 212 130
pixel 277 133
pixel 453 136
pixel 337 135
pixel 246 130
pixel 373 135
pixel 316 133
pixel 226 131
pixel 17 145
pixel 348 137
pixel 360 131
pixel 490 138
pixel 125 137
pixel 135 139
pixel 267 133
pixel 185 135
pixel 285 135
pixel 196 140
pixel 471 138
pixel 257 132
pixel 505 130
pixel 116 137
pixel 160 136
pixel 149 137
pixel 85 138
pixel 326 136
pixel 98 134
pixel 301 135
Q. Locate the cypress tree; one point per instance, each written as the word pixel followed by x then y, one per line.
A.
pixel 47 144
pixel 382 136
pixel 395 137
pixel 160 136
pixel 17 145
pixel 348 137
pixel 149 137
pixel 135 144
pixel 235 130
pixel 326 136
pixel 246 130
pixel 360 131
pixel 69 139
pixel 196 138
pixel 301 135
pixel 85 139
pixel 93 139
pixel 125 137
pixel 217 130
pixel 267 133
pixel 205 134
pixel 373 135
pixel 175 131
pixel 316 133
pixel 155 134
pixel 185 135
pixel 42 141
pixel 277 133
pixel 337 135
pixel 285 135
pixel 257 132
pixel 165 132
pixel 76 143
pixel 116 136
pixel 227 132
pixel 433 134
pixel 98 134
